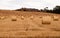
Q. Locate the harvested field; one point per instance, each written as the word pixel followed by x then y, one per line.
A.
pixel 19 24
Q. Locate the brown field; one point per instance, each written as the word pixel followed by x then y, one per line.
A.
pixel 20 24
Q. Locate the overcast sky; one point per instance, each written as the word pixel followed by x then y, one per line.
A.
pixel 38 4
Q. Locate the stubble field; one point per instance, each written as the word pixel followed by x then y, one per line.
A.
pixel 21 24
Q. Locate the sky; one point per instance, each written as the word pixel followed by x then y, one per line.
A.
pixel 38 4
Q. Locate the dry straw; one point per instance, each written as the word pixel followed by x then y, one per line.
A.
pixel 46 20
pixel 22 17
pixel 55 18
pixel 31 17
pixel 2 17
pixel 14 18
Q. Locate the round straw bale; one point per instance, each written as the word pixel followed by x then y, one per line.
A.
pixel 46 20
pixel 2 17
pixel 31 17
pixel 22 17
pixel 55 18
pixel 14 18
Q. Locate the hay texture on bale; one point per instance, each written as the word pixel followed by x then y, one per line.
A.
pixel 55 18
pixel 14 18
pixel 46 20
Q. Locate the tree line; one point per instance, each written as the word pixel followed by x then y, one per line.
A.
pixel 56 9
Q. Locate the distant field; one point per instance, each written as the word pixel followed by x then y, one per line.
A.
pixel 17 24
